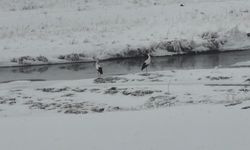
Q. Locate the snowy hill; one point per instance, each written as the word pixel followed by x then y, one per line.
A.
pixel 53 31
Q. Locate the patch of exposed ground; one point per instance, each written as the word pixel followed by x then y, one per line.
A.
pixel 9 101
pixel 127 91
pixel 160 101
pixel 111 80
pixel 233 104
pixel 138 92
pixel 246 107
pixel 218 77
pixel 53 90
pixel 70 107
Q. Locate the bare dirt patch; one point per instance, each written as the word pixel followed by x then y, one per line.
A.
pixel 111 80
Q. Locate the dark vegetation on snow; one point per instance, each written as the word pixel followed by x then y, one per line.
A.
pixel 28 60
pixel 246 107
pixel 110 80
pixel 160 101
pixel 218 78
pixel 74 57
pixel 212 42
pixel 9 101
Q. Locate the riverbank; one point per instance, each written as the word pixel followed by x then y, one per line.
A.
pixel 75 31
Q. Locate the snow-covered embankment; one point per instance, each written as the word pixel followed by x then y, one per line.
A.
pixel 35 32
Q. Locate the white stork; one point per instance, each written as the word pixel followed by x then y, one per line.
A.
pixel 146 63
pixel 98 68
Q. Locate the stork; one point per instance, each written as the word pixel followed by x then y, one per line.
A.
pixel 98 68
pixel 146 63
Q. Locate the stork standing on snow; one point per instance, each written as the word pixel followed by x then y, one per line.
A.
pixel 146 63
pixel 98 68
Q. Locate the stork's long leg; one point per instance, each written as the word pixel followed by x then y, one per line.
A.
pixel 98 75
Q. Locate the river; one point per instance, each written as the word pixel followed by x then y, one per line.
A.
pixel 122 66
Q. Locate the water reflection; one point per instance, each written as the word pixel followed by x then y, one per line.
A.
pixel 73 67
pixel 30 69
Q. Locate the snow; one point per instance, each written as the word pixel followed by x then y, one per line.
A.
pixel 188 127
pixel 242 64
pixel 128 92
pixel 111 28
pixel 178 109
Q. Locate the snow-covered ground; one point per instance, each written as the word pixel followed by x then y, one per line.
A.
pixel 190 127
pixel 182 109
pixel 242 64
pixel 53 31
pixel 128 92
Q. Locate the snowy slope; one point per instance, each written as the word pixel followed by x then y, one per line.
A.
pixel 114 28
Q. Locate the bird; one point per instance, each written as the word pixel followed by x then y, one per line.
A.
pixel 98 68
pixel 146 63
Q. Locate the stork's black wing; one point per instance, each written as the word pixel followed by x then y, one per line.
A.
pixel 144 65
pixel 100 70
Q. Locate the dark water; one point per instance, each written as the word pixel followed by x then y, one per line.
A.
pixel 124 66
